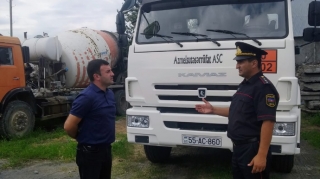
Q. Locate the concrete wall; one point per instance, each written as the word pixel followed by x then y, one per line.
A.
pixel 307 52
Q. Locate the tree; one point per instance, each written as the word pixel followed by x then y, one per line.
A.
pixel 131 19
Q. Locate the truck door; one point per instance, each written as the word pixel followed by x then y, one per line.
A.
pixel 9 74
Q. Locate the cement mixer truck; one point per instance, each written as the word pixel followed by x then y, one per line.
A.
pixel 187 47
pixel 40 78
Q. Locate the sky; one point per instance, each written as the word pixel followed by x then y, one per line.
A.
pixel 54 16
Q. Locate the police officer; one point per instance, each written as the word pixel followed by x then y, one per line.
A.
pixel 92 123
pixel 251 115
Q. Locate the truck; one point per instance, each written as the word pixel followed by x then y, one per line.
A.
pixel 40 77
pixel 182 51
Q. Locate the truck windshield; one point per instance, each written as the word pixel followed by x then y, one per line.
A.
pixel 258 20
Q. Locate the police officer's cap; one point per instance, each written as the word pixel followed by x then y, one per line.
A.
pixel 247 51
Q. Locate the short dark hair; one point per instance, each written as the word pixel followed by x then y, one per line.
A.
pixel 258 59
pixel 94 67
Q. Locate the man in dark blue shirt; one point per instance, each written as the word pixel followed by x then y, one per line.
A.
pixel 251 115
pixel 92 123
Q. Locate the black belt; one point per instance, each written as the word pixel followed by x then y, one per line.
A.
pixel 241 142
pixel 93 148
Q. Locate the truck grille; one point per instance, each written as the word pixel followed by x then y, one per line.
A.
pixel 196 126
pixel 178 110
pixel 195 98
pixel 195 87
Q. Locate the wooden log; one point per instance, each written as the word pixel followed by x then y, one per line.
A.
pixel 310 86
pixel 314 78
pixel 308 93
pixel 311 68
pixel 310 98
pixel 313 104
pixel 310 111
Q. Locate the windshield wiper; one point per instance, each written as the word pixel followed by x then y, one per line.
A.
pixel 163 37
pixel 195 35
pixel 234 33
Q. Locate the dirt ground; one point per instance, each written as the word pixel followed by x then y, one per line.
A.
pixel 307 165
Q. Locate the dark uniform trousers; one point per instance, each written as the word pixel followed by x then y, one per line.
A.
pixel 242 156
pixel 94 162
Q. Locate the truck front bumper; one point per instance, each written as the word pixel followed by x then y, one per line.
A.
pixel 158 134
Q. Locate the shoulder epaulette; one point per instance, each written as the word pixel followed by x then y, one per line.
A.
pixel 264 80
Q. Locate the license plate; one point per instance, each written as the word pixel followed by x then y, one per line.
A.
pixel 202 140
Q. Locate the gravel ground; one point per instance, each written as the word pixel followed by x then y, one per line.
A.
pixel 307 165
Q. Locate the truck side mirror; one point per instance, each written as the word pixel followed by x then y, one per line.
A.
pixel 151 29
pixel 25 54
pixel 311 34
pixel 120 21
pixel 314 13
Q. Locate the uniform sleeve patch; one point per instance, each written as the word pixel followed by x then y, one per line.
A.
pixel 264 80
pixel 270 100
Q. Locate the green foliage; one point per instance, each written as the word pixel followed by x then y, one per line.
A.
pixel 310 129
pixel 310 119
pixel 312 137
pixel 131 19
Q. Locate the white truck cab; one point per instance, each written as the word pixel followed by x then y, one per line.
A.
pixel 183 50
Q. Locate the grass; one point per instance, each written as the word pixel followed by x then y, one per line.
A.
pixel 37 146
pixel 129 160
pixel 185 162
pixel 53 145
pixel 310 129
pixel 311 119
pixel 120 118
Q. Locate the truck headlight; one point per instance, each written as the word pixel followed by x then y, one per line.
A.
pixel 138 121
pixel 284 129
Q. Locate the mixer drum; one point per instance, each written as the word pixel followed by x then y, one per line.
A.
pixel 79 47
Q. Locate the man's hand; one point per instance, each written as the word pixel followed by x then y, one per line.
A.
pixel 259 164
pixel 205 108
pixel 71 125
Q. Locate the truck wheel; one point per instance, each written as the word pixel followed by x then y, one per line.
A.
pixel 283 163
pixel 121 102
pixel 17 121
pixel 157 154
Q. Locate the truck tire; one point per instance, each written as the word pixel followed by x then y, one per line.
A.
pixel 18 120
pixel 283 163
pixel 157 154
pixel 121 102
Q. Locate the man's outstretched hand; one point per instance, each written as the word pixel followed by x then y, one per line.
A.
pixel 205 108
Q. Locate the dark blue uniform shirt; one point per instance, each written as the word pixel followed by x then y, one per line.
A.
pixel 97 110
pixel 256 100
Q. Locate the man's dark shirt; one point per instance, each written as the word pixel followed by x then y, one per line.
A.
pixel 256 100
pixel 97 111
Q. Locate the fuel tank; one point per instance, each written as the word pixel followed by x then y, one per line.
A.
pixel 48 48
